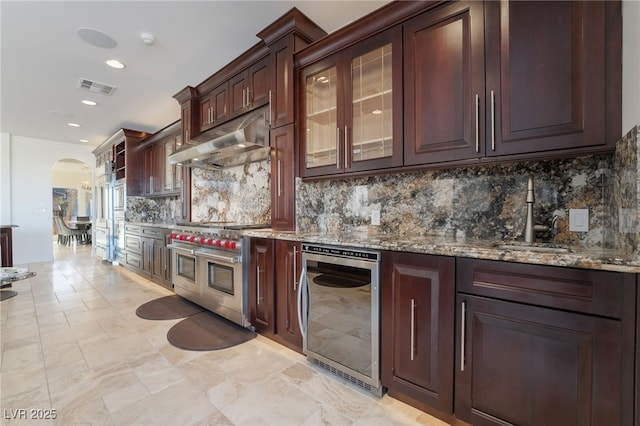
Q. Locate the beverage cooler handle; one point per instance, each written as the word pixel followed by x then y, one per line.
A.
pixel 302 283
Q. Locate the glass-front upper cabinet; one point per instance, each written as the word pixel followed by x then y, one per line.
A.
pixel 353 108
pixel 322 118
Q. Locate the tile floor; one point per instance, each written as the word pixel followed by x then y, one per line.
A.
pixel 73 348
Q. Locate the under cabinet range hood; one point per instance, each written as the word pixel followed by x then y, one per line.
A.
pixel 239 141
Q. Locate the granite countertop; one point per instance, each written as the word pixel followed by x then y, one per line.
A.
pixel 8 226
pixel 542 254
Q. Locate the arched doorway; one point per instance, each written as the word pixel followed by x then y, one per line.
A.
pixel 71 192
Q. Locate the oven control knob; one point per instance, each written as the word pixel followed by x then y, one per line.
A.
pixel 173 236
pixel 183 237
pixel 218 243
pixel 210 242
pixel 202 240
pixel 227 244
pixel 232 245
pixel 192 238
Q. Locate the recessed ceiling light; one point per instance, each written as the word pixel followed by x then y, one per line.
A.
pixel 88 102
pixel 73 124
pixel 114 63
pixel 376 111
pixel 84 140
pixel 96 37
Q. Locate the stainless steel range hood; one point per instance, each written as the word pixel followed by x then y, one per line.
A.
pixel 239 141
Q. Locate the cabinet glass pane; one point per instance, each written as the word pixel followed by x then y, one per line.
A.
pixel 321 102
pixel 169 170
pixel 372 131
pixel 177 176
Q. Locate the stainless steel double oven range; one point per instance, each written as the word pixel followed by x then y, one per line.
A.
pixel 208 262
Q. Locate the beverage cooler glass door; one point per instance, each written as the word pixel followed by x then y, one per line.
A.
pixel 339 316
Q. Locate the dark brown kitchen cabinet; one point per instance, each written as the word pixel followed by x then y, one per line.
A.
pixel 250 88
pixel 261 286
pixel 417 341
pixel 290 33
pixel 443 73
pixel 160 177
pixel 287 276
pixel 214 107
pixel 154 259
pixel 511 80
pixel 547 76
pixel 351 108
pixel 189 114
pixel 283 174
pixel 543 345
pixel 145 253
pixel 124 151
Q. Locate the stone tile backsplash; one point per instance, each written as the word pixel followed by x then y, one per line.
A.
pixel 484 202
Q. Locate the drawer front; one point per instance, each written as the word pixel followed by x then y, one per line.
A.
pixel 157 233
pixel 133 243
pixel 133 229
pixel 579 290
pixel 133 260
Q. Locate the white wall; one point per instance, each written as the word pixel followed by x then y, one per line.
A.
pixel 630 64
pixel 29 197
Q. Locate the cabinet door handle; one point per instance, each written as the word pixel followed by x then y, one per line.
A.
pixel 248 96
pixel 346 147
pixel 463 314
pixel 338 158
pixel 413 328
pixel 295 267
pixel 270 110
pixel 279 178
pixel 244 97
pixel 477 123
pixel 493 121
pixel 258 282
pixel 302 311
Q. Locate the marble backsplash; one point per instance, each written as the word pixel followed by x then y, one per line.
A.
pixel 153 210
pixel 237 194
pixel 484 202
pixel 623 199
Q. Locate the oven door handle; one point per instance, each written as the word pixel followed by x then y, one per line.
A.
pixel 302 284
pixel 218 257
pixel 179 248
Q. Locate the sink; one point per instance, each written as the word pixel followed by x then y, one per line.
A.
pixel 542 248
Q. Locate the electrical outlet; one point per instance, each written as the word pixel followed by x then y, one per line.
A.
pixel 375 217
pixel 579 220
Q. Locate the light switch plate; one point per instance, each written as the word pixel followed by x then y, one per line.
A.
pixel 375 217
pixel 579 220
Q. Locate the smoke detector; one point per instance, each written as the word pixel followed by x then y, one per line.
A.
pixel 95 87
pixel 147 39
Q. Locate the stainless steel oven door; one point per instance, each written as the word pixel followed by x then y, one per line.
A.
pixel 184 275
pixel 222 285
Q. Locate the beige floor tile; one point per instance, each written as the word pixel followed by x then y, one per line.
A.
pixel 71 341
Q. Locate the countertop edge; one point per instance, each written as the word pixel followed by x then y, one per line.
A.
pixel 486 250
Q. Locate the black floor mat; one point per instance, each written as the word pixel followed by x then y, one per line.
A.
pixel 167 308
pixel 207 331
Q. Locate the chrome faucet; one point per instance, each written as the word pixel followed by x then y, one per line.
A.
pixel 529 232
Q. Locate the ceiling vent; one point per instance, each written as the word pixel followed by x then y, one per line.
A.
pixel 95 87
